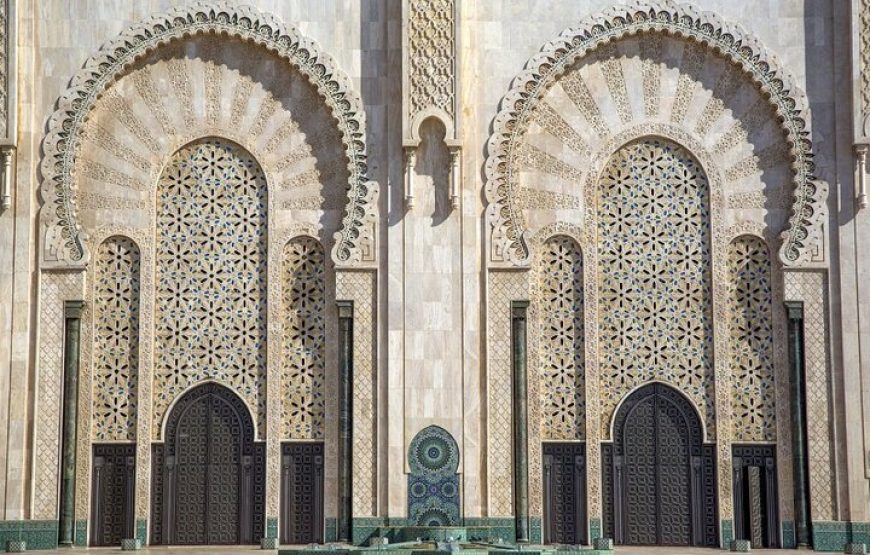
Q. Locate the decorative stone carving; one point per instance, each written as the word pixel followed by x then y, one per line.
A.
pixel 751 353
pixel 432 57
pixel 812 289
pixel 4 73
pixel 303 398
pixel 359 287
pixel 55 288
pixel 211 269
pixel 701 32
pixel 560 348
pixel 655 318
pixel 115 355
pixel 62 234
pixel 504 287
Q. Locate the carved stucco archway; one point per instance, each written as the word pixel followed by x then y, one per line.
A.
pixel 510 234
pixel 63 238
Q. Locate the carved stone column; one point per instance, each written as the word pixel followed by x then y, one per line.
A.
pixel 6 155
pixel 345 416
pixel 519 311
pixel 71 347
pixel 798 421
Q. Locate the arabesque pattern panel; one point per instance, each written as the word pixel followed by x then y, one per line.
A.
pixel 750 297
pixel 116 340
pixel 211 279
pixel 655 316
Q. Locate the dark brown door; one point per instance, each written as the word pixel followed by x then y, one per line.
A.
pixel 113 479
pixel 302 493
pixel 211 488
pixel 660 471
pixel 756 503
pixel 565 493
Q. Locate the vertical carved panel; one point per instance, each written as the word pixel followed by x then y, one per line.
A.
pixel 304 304
pixel 116 340
pixel 55 288
pixel 811 288
pixel 359 287
pixel 211 286
pixel 751 341
pixel 504 287
pixel 431 51
pixel 561 343
pixel 4 68
pixel 864 36
pixel 655 318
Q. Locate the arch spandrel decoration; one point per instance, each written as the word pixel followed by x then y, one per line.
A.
pixel 598 35
pixel 63 237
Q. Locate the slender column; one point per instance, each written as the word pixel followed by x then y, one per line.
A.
pixel 71 340
pixel 798 421
pixel 345 408
pixel 455 176
pixel 6 180
pixel 410 164
pixel 521 418
pixel 861 169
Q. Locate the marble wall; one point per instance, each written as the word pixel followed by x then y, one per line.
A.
pixel 428 289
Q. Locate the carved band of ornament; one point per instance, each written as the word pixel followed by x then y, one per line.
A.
pixel 664 16
pixel 62 141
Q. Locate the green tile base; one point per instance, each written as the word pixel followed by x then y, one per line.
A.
pixel 81 534
pixel 271 527
pixel 833 536
pixel 594 528
pixel 38 534
pixel 142 530
pixel 789 540
pixel 727 528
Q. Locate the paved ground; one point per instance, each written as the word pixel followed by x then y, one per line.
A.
pixel 250 551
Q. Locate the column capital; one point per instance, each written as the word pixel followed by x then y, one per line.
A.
pixel 73 309
pixel 795 310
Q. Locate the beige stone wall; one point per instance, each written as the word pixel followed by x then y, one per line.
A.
pixel 434 341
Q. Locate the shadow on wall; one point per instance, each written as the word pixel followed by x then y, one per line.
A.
pixel 433 160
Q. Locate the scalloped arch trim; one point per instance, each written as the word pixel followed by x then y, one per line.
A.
pixel 708 29
pixel 63 239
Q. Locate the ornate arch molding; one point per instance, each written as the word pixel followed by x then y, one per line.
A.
pixel 662 16
pixel 64 240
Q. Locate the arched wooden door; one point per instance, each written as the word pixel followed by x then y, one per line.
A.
pixel 212 472
pixel 661 471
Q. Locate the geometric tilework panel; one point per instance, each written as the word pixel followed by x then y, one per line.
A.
pixel 433 484
pixel 211 282
pixel 563 405
pixel 655 317
pixel 116 340
pixel 302 410
pixel 811 288
pixel 431 46
pixel 751 341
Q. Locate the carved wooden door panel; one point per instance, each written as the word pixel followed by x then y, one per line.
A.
pixel 641 504
pixel 224 474
pixel 654 490
pixel 302 493
pixel 112 494
pixel 673 476
pixel 565 493
pixel 191 483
